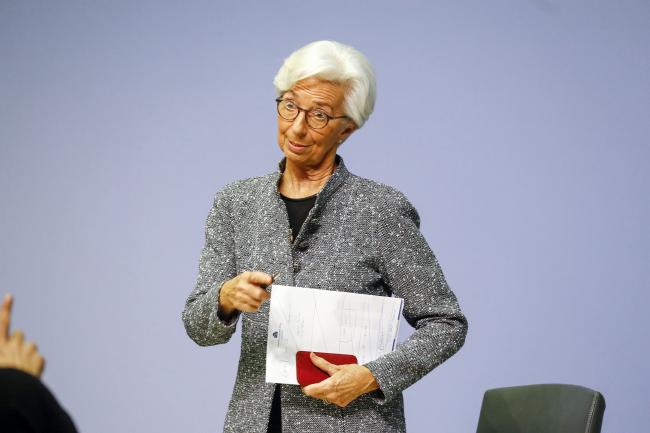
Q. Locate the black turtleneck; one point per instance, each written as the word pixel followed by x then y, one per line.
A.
pixel 298 209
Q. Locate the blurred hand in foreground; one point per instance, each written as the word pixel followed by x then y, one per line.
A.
pixel 14 351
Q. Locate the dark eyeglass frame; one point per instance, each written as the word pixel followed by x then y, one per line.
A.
pixel 279 100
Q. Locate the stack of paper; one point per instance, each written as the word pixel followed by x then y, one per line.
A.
pixel 327 321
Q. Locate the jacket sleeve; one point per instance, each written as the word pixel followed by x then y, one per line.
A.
pixel 217 265
pixel 412 272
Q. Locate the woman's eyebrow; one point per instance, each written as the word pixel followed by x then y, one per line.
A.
pixel 293 95
pixel 321 104
pixel 290 94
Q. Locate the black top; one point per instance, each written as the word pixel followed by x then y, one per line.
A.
pixel 298 209
pixel 27 406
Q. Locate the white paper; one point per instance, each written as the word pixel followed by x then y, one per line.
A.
pixel 327 321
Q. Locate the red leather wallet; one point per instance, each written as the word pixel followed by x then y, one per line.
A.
pixel 308 373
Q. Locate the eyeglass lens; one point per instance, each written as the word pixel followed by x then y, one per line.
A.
pixel 289 111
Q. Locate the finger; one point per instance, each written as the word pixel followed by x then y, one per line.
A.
pixel 30 347
pixel 328 390
pixel 40 366
pixel 259 278
pixel 322 389
pixel 255 292
pixel 18 336
pixel 253 298
pixel 5 316
pixel 248 305
pixel 323 364
pixel 315 390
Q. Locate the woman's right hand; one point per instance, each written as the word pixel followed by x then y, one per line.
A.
pixel 245 292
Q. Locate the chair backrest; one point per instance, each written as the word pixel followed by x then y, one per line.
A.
pixel 550 408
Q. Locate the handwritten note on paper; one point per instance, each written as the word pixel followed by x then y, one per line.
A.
pixel 327 321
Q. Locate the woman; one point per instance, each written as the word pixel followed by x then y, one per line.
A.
pixel 314 224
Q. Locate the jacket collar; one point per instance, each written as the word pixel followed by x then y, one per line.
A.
pixel 337 178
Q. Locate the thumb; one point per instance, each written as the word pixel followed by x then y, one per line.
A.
pixel 323 364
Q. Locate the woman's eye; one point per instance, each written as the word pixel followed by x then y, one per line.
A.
pixel 289 105
pixel 319 115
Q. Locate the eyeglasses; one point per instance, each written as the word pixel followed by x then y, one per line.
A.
pixel 316 118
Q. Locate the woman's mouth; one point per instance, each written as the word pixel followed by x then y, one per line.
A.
pixel 296 147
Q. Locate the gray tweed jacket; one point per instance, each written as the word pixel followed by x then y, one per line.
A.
pixel 360 236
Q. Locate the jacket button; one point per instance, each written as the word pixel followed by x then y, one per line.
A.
pixel 303 245
pixel 296 268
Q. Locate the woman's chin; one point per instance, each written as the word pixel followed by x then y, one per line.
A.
pixel 294 156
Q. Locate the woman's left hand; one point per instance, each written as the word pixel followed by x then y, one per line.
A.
pixel 346 382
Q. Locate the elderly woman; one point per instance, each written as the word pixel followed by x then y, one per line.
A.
pixel 315 224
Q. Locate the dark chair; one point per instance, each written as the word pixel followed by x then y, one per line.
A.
pixel 552 408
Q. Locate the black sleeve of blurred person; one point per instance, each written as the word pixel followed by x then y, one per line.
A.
pixel 27 406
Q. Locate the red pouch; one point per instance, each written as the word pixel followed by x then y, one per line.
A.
pixel 308 373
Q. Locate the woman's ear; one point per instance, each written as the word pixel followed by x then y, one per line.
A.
pixel 350 127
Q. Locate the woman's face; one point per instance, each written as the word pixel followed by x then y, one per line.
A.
pixel 305 146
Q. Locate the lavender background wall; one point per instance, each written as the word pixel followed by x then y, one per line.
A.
pixel 518 129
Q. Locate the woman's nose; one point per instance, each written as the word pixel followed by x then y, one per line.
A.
pixel 299 124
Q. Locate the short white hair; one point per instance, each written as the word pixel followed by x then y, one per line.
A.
pixel 336 62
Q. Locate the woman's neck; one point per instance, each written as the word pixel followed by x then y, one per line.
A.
pixel 298 182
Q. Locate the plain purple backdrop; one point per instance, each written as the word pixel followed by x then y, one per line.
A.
pixel 519 130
